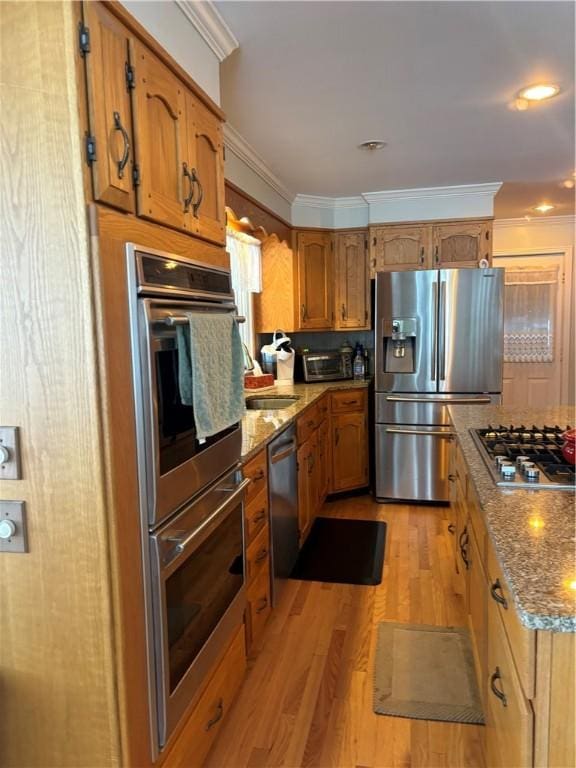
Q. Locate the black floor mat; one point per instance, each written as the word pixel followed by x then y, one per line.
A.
pixel 343 552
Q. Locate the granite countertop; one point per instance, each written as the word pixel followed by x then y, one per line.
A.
pixel 533 531
pixel 259 427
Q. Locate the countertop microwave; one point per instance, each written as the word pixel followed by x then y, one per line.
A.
pixel 328 365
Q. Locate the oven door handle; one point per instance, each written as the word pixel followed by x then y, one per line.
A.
pixel 183 544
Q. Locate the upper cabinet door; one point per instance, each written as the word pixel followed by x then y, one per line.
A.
pixel 109 112
pixel 396 248
pixel 314 251
pixel 352 284
pixel 162 148
pixel 462 244
pixel 208 206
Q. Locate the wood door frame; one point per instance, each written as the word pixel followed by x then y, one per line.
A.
pixel 566 253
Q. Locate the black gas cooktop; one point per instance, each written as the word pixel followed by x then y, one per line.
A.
pixel 526 457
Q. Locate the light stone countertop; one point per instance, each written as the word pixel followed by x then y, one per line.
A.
pixel 533 531
pixel 260 427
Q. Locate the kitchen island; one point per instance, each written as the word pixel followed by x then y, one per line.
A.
pixel 533 531
pixel 515 566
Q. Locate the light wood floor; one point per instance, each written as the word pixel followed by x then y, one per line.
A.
pixel 307 698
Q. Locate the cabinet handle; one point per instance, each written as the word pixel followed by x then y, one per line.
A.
pixel 451 528
pixel 262 555
pixel 498 597
pixel 343 312
pixel 187 175
pixel 436 256
pixel 496 691
pixel 263 604
pixel 304 313
pixel 350 402
pixel 337 440
pixel 196 205
pixel 217 717
pixel 258 476
pixel 452 478
pixel 422 255
pixel 463 543
pixel 126 154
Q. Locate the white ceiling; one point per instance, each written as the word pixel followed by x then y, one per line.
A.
pixel 311 80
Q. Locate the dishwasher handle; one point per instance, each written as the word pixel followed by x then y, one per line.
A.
pixel 287 450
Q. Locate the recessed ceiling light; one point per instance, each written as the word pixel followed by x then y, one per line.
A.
pixel 544 207
pixel 539 92
pixel 569 184
pixel 372 144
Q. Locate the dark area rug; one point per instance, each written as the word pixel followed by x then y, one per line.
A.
pixel 342 552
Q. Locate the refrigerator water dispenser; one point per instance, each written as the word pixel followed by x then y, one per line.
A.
pixel 399 345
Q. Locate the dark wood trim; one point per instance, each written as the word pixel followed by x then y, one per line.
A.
pixel 137 29
pixel 260 215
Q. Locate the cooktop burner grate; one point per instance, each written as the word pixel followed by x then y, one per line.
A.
pixel 526 457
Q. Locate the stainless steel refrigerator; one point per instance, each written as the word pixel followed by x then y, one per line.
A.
pixel 438 340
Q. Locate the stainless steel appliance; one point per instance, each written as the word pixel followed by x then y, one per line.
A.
pixel 438 341
pixel 173 463
pixel 526 457
pixel 283 498
pixel 197 568
pixel 191 491
pixel 329 365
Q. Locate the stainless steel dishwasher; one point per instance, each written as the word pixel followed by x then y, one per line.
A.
pixel 283 495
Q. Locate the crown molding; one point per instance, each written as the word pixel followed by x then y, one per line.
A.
pixel 522 221
pixel 245 152
pixel 210 25
pixel 419 193
pixel 329 203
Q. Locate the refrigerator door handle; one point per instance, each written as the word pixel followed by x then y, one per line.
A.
pixel 434 329
pixel 440 401
pixel 421 433
pixel 442 332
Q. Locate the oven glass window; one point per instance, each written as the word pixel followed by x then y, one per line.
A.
pixel 330 367
pixel 200 591
pixel 176 430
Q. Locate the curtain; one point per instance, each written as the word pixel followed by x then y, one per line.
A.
pixel 529 314
pixel 246 274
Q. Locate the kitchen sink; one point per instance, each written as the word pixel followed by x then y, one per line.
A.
pixel 270 403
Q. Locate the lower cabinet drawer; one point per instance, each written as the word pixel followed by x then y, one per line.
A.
pixel 203 725
pixel 348 400
pixel 307 423
pixel 258 555
pixel 258 607
pixel 256 515
pixel 521 639
pixel 509 716
pixel 256 470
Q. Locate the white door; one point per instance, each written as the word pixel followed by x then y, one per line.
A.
pixel 535 329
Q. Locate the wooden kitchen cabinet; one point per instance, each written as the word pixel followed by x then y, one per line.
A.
pixel 315 280
pixel 395 247
pixel 306 491
pixel 461 244
pixel 351 281
pixel 208 206
pixel 109 111
pixel 161 127
pixel 430 245
pixel 349 440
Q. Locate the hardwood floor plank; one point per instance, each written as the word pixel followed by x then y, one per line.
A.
pixel 307 698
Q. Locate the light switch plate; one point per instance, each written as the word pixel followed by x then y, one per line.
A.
pixel 15 511
pixel 10 468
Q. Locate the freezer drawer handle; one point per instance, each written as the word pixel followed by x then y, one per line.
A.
pixel 452 401
pixel 445 435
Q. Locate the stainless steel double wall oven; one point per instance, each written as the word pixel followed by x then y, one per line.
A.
pixel 191 490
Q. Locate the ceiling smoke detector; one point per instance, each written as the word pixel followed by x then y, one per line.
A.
pixel 372 145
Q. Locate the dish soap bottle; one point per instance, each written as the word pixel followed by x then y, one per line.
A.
pixel 358 363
